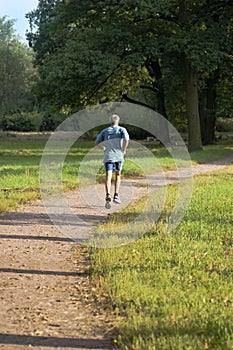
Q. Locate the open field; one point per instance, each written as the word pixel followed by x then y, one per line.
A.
pixel 20 158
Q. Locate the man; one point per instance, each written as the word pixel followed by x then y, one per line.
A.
pixel 116 140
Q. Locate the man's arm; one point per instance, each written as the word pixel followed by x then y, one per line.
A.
pixel 100 146
pixel 125 137
pixel 125 145
pixel 99 140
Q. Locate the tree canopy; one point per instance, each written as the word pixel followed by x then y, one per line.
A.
pixel 15 70
pixel 96 51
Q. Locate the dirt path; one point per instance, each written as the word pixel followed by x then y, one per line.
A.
pixel 45 289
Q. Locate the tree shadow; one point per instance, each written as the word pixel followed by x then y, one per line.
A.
pixel 36 238
pixel 44 272
pixel 71 343
pixel 27 218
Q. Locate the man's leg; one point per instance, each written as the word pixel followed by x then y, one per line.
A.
pixel 108 181
pixel 116 197
pixel 118 166
pixel 108 188
pixel 117 181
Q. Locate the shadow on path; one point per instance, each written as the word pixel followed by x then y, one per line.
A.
pixel 28 218
pixel 43 272
pixel 37 238
pixel 71 343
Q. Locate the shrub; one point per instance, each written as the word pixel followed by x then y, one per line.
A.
pixel 17 122
pixel 224 125
pixel 48 123
pixel 51 121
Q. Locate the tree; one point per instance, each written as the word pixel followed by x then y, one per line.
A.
pixel 224 100
pixel 15 70
pixel 191 87
pixel 218 25
pixel 90 52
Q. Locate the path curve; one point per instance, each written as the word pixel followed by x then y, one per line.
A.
pixel 45 288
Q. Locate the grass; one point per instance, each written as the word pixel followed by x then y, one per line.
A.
pixel 19 170
pixel 174 291
pixel 168 291
pixel 211 153
pixel 20 159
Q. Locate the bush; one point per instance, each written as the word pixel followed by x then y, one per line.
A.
pixel 48 124
pixel 23 121
pixel 51 121
pixel 17 122
pixel 224 125
pixel 30 121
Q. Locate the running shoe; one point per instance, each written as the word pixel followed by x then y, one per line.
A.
pixel 108 200
pixel 116 199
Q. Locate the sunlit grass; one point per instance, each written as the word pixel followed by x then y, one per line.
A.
pixel 168 291
pixel 20 160
pixel 174 291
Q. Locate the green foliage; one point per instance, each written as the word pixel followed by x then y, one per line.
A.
pixel 96 51
pixel 22 121
pixel 225 88
pixel 31 121
pixel 17 122
pixel 224 125
pixel 92 52
pixel 16 72
pixel 47 124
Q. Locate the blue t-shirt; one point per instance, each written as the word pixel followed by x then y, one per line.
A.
pixel 113 137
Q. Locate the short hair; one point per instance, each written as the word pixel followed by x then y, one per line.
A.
pixel 114 118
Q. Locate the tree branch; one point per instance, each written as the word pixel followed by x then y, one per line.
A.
pixel 104 81
pixel 131 100
pixel 152 88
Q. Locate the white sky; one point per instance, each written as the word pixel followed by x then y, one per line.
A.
pixel 16 9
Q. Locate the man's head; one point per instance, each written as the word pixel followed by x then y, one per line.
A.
pixel 114 119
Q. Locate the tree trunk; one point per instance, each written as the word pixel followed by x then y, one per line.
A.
pixel 208 111
pixel 192 108
pixel 155 72
pixel 202 111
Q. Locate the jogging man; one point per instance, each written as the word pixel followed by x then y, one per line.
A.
pixel 115 140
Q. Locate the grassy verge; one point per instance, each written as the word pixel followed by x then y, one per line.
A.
pixel 173 292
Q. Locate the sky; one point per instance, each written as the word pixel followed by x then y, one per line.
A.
pixel 16 9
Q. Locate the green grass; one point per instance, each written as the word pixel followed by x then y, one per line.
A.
pixel 19 162
pixel 168 291
pixel 211 153
pixel 174 291
pixel 19 170
pixel 20 159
